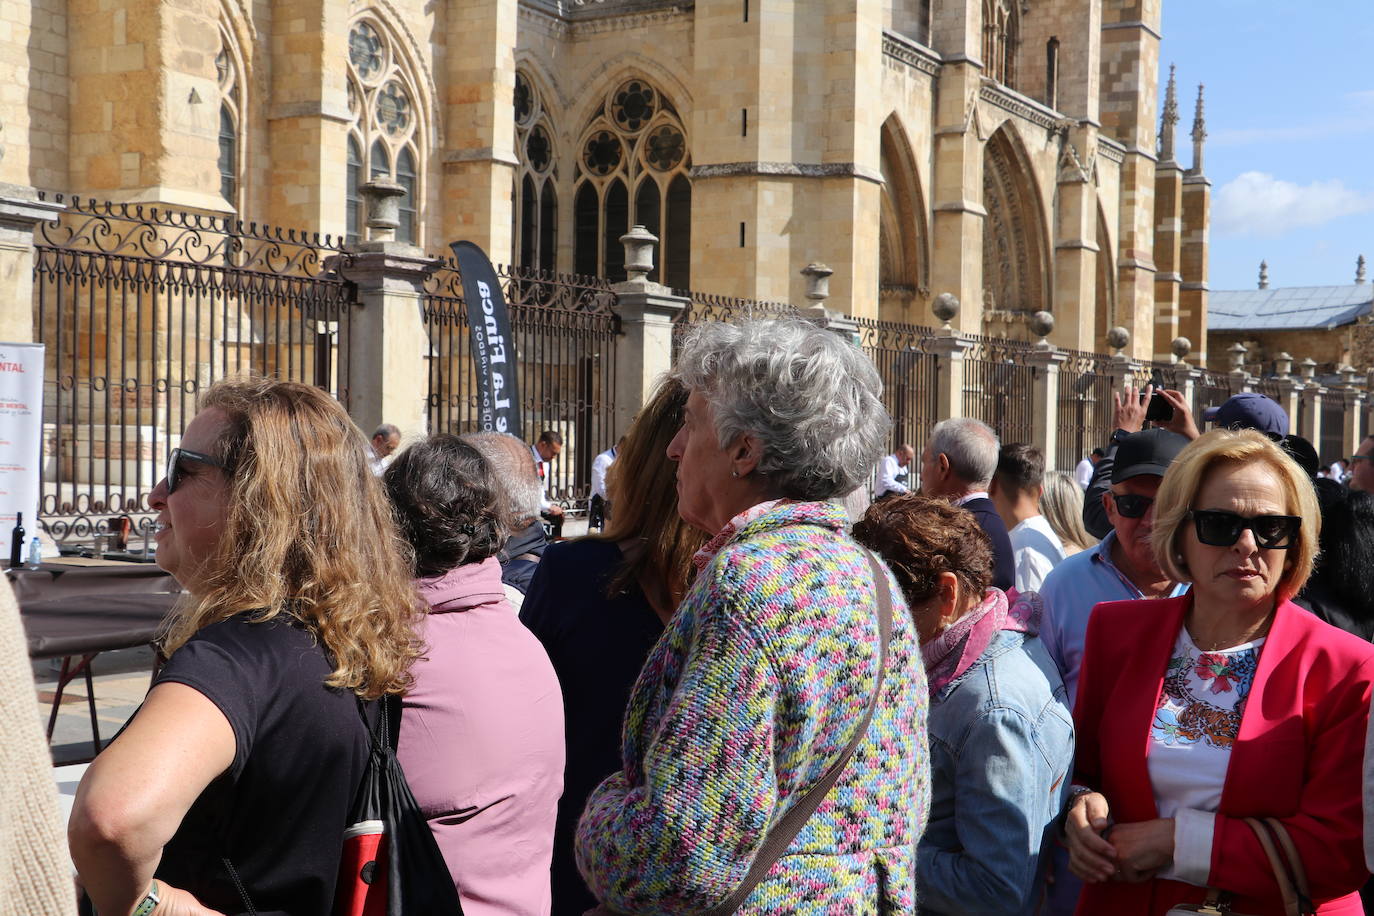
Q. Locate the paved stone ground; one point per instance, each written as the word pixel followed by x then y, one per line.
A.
pixel 121 681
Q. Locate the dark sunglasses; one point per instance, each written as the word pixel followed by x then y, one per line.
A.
pixel 178 455
pixel 1128 505
pixel 1222 529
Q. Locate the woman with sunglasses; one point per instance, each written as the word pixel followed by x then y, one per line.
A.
pixel 230 788
pixel 1228 702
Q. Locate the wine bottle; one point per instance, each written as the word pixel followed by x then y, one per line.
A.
pixel 17 542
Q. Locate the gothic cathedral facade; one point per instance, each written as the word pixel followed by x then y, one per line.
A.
pixel 1006 151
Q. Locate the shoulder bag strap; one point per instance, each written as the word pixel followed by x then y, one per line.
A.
pixel 1276 863
pixel 785 831
pixel 1296 872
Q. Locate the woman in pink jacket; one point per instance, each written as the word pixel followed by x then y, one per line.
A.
pixel 1227 703
pixel 481 736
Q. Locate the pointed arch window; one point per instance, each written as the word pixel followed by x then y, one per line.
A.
pixel 386 135
pixel 535 195
pixel 229 73
pixel 1001 37
pixel 632 168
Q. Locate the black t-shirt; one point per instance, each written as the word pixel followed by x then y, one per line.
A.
pixel 279 812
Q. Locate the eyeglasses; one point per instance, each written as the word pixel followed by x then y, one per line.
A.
pixel 1222 529
pixel 178 455
pixel 1354 458
pixel 1129 505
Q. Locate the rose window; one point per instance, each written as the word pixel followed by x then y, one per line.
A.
pixel 634 104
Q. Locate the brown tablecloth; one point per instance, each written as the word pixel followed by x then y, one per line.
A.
pixel 88 606
pixel 84 624
pixel 86 577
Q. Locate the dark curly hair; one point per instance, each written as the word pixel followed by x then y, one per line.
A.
pixel 920 538
pixel 448 504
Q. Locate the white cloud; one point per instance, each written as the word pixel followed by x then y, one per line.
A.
pixel 1258 204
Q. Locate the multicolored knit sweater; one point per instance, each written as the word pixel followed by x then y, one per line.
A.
pixel 753 691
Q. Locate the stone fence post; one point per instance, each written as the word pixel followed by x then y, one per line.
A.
pixel 1289 389
pixel 20 213
pixel 647 310
pixel 1045 394
pixel 950 347
pixel 1312 405
pixel 388 345
pixel 1353 402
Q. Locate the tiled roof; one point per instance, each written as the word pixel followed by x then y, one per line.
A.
pixel 1293 308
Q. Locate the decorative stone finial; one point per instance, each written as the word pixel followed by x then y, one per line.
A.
pixel 382 198
pixel 945 307
pixel 1264 275
pixel 1168 120
pixel 1181 347
pixel 1118 339
pixel 1237 351
pixel 1347 376
pixel 639 253
pixel 1041 325
pixel 817 281
pixel 1309 369
pixel 1283 365
pixel 1199 134
pixel 1359 270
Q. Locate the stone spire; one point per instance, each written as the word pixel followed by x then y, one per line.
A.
pixel 1168 120
pixel 1359 270
pixel 1264 275
pixel 1199 134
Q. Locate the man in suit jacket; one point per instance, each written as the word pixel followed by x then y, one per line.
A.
pixel 958 463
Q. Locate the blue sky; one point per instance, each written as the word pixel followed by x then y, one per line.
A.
pixel 1290 123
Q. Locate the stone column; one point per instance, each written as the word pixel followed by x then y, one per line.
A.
pixel 647 310
pixel 1312 405
pixel 950 346
pixel 20 213
pixel 1076 247
pixel 1045 402
pixel 479 159
pixel 388 343
pixel 308 118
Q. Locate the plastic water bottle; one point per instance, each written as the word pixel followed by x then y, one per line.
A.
pixel 35 553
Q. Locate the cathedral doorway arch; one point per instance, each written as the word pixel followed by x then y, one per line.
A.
pixel 903 259
pixel 1016 271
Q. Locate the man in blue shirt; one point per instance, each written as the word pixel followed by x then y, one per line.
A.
pixel 1123 565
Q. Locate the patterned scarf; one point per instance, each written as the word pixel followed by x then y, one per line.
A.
pixel 954 651
pixel 708 553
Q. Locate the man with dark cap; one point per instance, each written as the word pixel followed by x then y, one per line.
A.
pixel 1249 410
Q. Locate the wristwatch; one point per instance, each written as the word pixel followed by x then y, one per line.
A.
pixel 149 902
pixel 1119 435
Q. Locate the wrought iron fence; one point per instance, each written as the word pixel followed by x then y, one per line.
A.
pixel 1211 390
pixel 910 373
pixel 1332 444
pixel 999 386
pixel 711 307
pixel 1085 410
pixel 564 331
pixel 140 310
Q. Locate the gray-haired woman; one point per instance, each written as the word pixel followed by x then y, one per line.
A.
pixel 768 667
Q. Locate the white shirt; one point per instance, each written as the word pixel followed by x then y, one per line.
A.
pixel 600 465
pixel 1035 550
pixel 981 494
pixel 892 477
pixel 1084 473
pixel 1195 726
pixel 543 469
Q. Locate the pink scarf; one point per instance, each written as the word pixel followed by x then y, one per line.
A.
pixel 954 651
pixel 708 553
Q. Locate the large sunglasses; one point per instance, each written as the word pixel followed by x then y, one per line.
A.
pixel 1222 529
pixel 178 455
pixel 1129 505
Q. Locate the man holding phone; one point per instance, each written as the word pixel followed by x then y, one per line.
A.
pixel 1133 409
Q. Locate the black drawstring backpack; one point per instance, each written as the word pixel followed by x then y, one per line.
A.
pixel 391 863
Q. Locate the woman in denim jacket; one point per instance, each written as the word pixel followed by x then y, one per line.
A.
pixel 1001 735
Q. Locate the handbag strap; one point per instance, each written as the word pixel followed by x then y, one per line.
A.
pixel 781 836
pixel 1292 881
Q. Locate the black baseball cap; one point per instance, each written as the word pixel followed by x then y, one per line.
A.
pixel 1150 451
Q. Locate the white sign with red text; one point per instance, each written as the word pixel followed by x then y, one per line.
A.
pixel 21 439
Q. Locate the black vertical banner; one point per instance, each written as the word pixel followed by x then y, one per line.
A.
pixel 493 348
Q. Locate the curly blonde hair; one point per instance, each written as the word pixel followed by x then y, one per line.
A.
pixel 308 534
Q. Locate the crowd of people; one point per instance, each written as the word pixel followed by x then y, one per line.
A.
pixel 1002 689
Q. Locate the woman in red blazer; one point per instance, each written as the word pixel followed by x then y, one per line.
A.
pixel 1229 702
